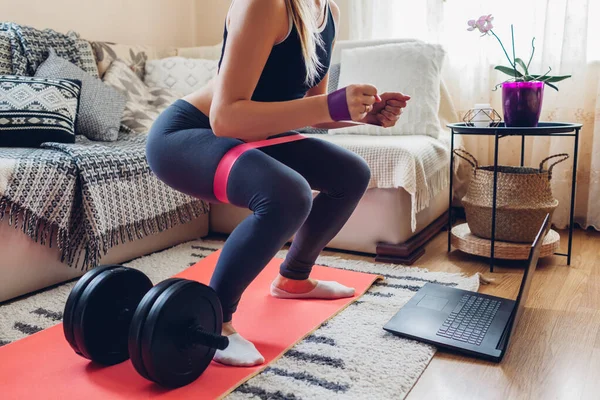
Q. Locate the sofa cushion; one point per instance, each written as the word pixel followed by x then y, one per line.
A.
pixel 413 68
pixel 36 110
pixel 419 164
pixel 183 75
pixel 144 103
pixel 135 56
pixel 101 106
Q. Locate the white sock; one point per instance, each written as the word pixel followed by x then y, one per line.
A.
pixel 239 353
pixel 328 290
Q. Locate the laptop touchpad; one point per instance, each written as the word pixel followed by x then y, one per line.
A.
pixel 432 302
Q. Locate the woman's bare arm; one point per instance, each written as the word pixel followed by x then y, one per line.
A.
pixel 321 88
pixel 253 30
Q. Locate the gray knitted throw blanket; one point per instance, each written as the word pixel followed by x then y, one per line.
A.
pixel 29 47
pixel 89 196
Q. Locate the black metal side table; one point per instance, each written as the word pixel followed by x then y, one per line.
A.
pixel 499 132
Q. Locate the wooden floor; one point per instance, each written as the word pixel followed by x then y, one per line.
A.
pixel 555 353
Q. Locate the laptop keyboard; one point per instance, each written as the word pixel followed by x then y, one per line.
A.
pixel 470 319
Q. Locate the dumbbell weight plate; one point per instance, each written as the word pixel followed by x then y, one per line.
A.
pixel 137 324
pixel 102 314
pixel 73 299
pixel 168 357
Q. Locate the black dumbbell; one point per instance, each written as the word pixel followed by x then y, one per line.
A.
pixel 170 331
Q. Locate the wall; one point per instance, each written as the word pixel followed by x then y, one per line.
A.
pixel 211 18
pixel 155 22
pixel 344 29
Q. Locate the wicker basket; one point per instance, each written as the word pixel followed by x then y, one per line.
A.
pixel 523 199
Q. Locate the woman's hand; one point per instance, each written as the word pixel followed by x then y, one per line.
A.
pixel 361 100
pixel 386 112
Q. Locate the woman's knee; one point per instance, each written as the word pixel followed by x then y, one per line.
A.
pixel 362 171
pixel 355 176
pixel 290 198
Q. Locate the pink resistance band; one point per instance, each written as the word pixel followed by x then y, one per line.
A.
pixel 229 159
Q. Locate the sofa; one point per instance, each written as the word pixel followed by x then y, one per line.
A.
pixel 393 221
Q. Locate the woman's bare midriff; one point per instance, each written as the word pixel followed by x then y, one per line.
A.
pixel 202 99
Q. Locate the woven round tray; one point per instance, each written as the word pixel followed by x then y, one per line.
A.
pixel 465 241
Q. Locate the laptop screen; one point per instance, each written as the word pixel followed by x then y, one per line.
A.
pixel 534 256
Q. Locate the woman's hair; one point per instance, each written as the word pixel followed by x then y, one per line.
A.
pixel 303 16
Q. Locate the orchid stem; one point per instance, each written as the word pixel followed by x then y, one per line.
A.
pixel 512 35
pixel 505 52
pixel 532 52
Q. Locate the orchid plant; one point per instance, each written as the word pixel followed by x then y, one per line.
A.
pixel 484 25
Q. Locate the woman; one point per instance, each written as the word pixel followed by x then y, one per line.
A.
pixel 272 79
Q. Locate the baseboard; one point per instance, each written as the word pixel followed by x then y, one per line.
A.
pixel 409 259
pixel 409 252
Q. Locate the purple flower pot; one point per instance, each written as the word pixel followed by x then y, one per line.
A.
pixel 522 103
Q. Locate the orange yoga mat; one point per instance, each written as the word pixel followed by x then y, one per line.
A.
pixel 43 366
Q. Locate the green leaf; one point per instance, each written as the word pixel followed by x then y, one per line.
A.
pixel 547 78
pixel 522 64
pixel 558 78
pixel 552 86
pixel 508 71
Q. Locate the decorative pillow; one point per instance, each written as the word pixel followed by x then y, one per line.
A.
pixel 144 103
pixel 5 57
pixel 411 68
pixel 101 106
pixel 36 110
pixel 87 61
pixel 183 75
pixel 134 56
pixel 203 52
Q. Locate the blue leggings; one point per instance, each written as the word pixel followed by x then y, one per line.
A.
pixel 274 182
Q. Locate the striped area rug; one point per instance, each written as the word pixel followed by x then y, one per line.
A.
pixel 349 357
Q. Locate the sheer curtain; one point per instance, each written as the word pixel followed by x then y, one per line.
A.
pixel 566 39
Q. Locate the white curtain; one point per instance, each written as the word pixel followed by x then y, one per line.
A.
pixel 566 39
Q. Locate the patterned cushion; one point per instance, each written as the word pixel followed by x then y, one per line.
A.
pixel 184 75
pixel 204 52
pixel 144 103
pixel 310 129
pixel 36 110
pixel 101 107
pixel 87 61
pixel 134 56
pixel 5 57
pixel 334 77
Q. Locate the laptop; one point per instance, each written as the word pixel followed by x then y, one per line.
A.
pixel 472 323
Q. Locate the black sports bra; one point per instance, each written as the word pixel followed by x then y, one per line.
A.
pixel 283 77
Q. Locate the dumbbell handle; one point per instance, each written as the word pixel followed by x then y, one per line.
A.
pixel 199 336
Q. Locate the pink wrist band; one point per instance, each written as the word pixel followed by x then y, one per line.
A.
pixel 229 159
pixel 338 106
